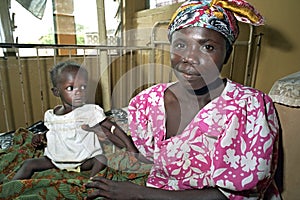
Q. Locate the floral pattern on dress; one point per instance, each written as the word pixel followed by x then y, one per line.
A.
pixel 231 143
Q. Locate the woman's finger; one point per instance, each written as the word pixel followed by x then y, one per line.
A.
pixel 96 182
pixel 100 179
pixel 99 184
pixel 95 194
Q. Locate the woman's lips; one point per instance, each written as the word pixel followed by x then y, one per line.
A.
pixel 189 76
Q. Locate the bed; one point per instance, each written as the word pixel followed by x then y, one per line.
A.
pixel 57 184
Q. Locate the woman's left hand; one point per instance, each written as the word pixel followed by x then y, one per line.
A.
pixel 112 189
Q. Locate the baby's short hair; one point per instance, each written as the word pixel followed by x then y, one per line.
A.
pixel 60 67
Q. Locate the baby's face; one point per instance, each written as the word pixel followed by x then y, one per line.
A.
pixel 73 88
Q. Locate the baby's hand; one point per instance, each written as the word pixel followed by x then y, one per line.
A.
pixel 38 140
pixel 95 129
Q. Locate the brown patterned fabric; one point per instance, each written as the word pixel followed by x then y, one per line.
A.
pixel 57 184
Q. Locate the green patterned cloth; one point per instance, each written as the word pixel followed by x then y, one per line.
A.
pixel 60 184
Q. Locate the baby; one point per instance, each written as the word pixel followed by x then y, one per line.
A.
pixel 69 147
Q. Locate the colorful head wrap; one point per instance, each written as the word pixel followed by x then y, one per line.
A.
pixel 219 15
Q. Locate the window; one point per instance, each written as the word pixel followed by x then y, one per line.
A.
pixel 159 3
pixel 31 30
pixel 85 13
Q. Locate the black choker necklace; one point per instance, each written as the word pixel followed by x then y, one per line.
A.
pixel 205 89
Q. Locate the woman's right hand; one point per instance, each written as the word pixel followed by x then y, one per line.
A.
pixel 102 187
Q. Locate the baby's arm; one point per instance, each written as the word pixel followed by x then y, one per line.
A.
pixel 116 135
pixel 104 132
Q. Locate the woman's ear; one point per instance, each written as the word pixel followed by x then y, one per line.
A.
pixel 228 52
pixel 55 92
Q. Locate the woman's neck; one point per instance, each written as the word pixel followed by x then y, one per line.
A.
pixel 208 88
pixel 199 97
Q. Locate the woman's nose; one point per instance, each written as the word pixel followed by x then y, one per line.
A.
pixel 192 56
pixel 191 59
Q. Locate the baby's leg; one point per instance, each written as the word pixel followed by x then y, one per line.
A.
pixel 95 164
pixel 33 165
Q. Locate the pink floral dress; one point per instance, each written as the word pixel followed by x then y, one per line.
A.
pixel 231 143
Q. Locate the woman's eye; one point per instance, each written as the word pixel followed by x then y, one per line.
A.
pixel 208 47
pixel 69 88
pixel 179 45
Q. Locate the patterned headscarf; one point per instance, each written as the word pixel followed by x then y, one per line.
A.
pixel 219 15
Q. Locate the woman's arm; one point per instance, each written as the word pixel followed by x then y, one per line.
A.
pixel 127 190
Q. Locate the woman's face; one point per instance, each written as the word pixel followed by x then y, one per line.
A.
pixel 197 56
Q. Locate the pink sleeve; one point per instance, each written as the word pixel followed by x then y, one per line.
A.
pixel 246 155
pixel 138 121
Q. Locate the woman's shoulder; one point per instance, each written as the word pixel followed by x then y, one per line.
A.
pixel 240 91
pixel 152 95
pixel 160 87
pixel 157 88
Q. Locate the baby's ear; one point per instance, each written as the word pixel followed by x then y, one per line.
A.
pixel 55 91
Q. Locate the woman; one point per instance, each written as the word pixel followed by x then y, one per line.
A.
pixel 207 137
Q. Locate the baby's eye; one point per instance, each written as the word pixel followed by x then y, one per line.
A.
pixel 70 88
pixel 83 87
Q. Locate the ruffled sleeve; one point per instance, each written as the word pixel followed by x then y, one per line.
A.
pixel 47 118
pixel 146 119
pixel 245 156
pixel 96 116
pixel 138 122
